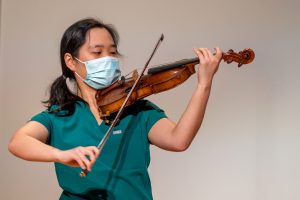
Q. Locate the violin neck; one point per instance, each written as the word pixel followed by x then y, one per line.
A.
pixel 167 66
pixel 243 57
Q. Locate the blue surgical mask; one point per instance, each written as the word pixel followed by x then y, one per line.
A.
pixel 101 72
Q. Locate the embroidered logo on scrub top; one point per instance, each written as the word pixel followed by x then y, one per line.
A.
pixel 117 132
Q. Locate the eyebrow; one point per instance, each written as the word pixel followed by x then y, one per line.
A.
pixel 101 46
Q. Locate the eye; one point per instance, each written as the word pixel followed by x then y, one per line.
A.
pixel 98 52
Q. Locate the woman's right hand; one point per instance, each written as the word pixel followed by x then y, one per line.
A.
pixel 83 157
pixel 29 141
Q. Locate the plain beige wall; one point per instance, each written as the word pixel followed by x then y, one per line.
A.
pixel 248 147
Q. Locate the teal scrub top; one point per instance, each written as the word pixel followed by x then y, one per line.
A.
pixel 121 170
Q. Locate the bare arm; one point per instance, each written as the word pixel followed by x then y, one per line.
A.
pixel 28 143
pixel 177 137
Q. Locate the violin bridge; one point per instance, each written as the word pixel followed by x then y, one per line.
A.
pixel 135 74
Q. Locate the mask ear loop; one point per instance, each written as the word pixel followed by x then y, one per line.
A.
pixel 76 72
pixel 79 76
pixel 79 60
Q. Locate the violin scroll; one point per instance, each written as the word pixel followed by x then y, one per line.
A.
pixel 243 57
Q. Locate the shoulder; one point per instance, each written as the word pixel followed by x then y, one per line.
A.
pixel 55 112
pixel 143 108
pixel 146 105
pixel 66 109
pixel 148 110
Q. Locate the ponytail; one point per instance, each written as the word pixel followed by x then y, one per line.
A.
pixel 61 96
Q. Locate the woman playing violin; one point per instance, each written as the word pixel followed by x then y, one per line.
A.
pixel 68 131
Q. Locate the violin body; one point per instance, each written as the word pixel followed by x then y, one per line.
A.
pixel 110 100
pixel 158 79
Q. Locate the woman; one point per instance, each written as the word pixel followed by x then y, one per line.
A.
pixel 68 132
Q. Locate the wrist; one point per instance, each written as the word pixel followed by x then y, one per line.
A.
pixel 56 155
pixel 204 86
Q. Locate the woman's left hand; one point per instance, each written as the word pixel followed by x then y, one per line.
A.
pixel 209 64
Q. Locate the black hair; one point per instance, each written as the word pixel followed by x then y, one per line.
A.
pixel 73 38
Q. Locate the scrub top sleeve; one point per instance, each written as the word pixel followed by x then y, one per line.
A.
pixel 44 119
pixel 153 115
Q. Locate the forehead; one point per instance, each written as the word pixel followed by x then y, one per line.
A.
pixel 98 37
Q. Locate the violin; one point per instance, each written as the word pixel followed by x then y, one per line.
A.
pixel 158 79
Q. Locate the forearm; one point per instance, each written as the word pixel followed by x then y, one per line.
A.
pixel 177 137
pixel 29 148
pixel 191 120
pixel 29 143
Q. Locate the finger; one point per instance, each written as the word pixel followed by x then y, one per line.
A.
pixel 205 53
pixel 79 162
pixel 199 54
pixel 82 154
pixel 218 53
pixel 209 53
pixel 95 150
pixel 91 155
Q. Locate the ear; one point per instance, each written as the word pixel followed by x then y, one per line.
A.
pixel 70 62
